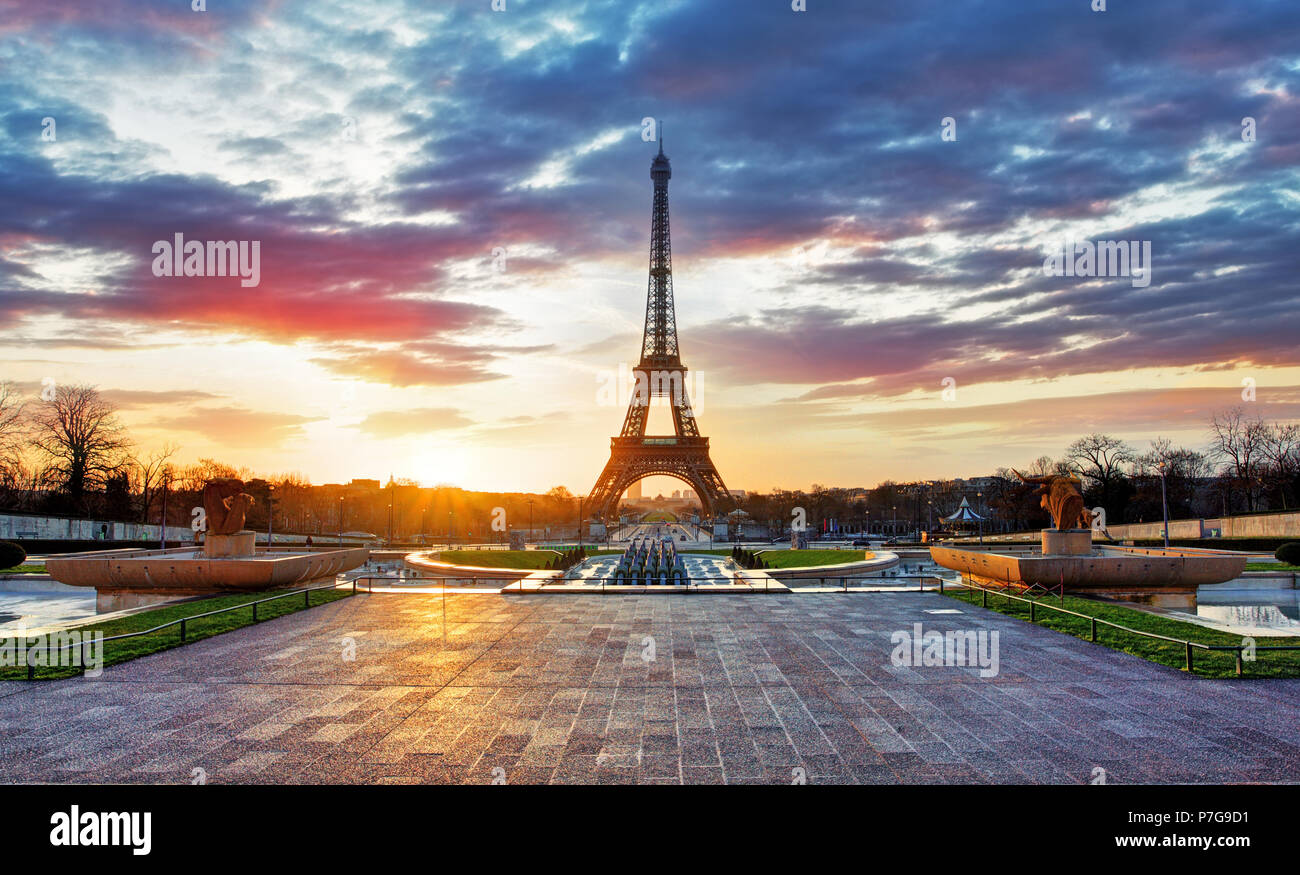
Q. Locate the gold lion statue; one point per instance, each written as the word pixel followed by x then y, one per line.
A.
pixel 1062 498
pixel 225 505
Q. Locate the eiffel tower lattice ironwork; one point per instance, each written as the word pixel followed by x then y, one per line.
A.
pixel 660 374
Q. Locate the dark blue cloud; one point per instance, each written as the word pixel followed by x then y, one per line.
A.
pixel 784 128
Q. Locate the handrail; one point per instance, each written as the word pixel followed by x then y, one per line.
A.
pixel 1188 646
pixel 305 592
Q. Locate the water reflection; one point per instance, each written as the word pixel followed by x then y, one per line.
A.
pixel 1266 610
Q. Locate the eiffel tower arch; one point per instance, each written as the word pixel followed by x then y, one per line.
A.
pixel 684 454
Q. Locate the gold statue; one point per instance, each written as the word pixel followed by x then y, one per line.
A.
pixel 225 504
pixel 1062 498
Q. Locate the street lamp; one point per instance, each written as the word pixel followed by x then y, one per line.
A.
pixel 893 523
pixel 162 529
pixel 270 513
pixel 1164 503
pixel 979 502
pixel 530 519
pixel 580 500
pixel 341 497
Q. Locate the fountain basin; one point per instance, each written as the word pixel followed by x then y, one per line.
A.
pixel 1167 578
pixel 131 578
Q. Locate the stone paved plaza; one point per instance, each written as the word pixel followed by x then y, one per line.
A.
pixel 742 688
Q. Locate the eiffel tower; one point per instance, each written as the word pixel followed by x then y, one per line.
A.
pixel 660 374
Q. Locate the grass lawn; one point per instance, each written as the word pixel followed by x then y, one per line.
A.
pixel 1271 566
pixel 804 558
pixel 530 559
pixel 1210 664
pixel 195 630
pixel 26 568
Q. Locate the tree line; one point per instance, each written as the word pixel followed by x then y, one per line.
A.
pixel 69 454
pixel 1247 465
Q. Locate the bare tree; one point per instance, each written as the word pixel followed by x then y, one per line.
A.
pixel 150 471
pixel 1239 443
pixel 194 477
pixel 82 441
pixel 1100 459
pixel 1185 473
pixel 1281 454
pixel 13 435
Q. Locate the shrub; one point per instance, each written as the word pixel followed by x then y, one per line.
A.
pixel 1288 553
pixel 11 555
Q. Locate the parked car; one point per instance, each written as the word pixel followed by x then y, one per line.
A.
pixel 861 542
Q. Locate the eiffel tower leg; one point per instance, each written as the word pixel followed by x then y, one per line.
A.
pixel 604 496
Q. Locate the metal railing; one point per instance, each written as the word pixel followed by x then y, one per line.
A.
pixel 1188 646
pixel 181 622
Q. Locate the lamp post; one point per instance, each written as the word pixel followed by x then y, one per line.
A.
pixel 530 519
pixel 979 502
pixel 270 513
pixel 341 497
pixel 893 523
pixel 1164 503
pixel 580 500
pixel 162 529
pixel 451 526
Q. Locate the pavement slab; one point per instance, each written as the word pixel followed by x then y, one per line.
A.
pixel 702 689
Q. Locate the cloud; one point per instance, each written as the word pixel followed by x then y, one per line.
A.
pixel 238 427
pixel 422 363
pixel 1137 412
pixel 132 399
pixel 816 131
pixel 399 423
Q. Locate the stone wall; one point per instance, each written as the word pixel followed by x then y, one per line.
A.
pixel 18 526
pixel 1264 525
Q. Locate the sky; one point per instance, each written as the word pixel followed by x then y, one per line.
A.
pixel 452 207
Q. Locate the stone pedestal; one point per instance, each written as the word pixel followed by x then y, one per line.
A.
pixel 1068 542
pixel 240 545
